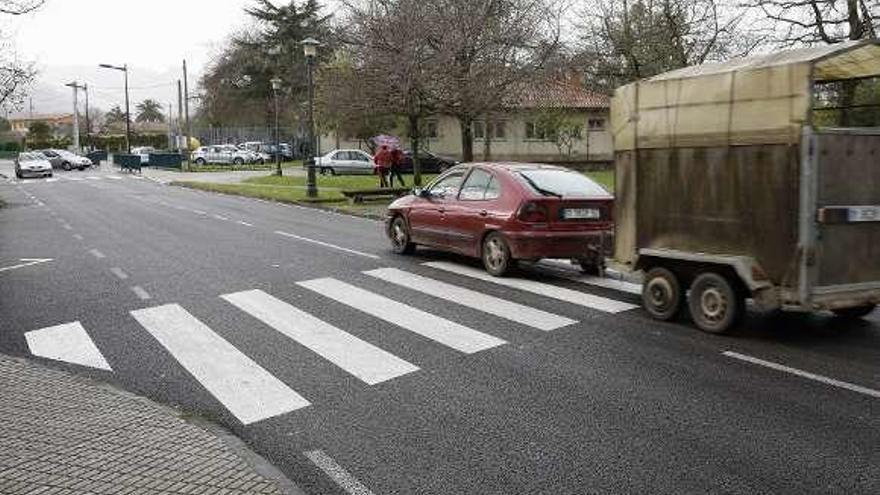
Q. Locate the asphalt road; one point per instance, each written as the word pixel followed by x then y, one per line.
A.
pixel 353 382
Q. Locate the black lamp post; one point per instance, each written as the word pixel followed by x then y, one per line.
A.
pixel 310 49
pixel 276 85
pixel 124 69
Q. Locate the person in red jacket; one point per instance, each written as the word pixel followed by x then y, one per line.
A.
pixel 383 161
pixel 394 169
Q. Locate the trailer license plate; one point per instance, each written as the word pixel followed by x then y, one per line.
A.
pixel 580 214
pixel 863 214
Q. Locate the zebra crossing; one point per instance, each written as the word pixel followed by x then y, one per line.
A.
pixel 68 178
pixel 251 393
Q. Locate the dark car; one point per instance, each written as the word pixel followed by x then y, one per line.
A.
pixel 429 162
pixel 504 212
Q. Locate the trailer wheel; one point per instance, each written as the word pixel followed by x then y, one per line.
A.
pixel 854 313
pixel 715 305
pixel 661 294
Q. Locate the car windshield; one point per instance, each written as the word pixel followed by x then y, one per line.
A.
pixel 30 157
pixel 561 182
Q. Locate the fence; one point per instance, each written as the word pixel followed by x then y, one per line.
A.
pixel 293 136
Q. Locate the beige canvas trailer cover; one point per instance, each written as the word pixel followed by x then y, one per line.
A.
pixel 709 163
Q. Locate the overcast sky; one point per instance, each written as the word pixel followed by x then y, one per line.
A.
pixel 69 38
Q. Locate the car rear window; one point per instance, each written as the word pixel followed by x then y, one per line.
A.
pixel 562 182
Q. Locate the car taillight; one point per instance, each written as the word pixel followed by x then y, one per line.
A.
pixel 533 213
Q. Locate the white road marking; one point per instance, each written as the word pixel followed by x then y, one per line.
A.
pixel 448 333
pixel 27 181
pixel 337 473
pixel 114 177
pixel 136 177
pixel 75 179
pixel 243 387
pixel 69 343
pixel 604 282
pixel 540 288
pixel 67 226
pixel 501 308
pixel 805 374
pixel 52 179
pixel 327 245
pixel 141 293
pixel 97 254
pixel 200 212
pixel 25 262
pixel 92 177
pixel 362 359
pixel 78 237
pixel 220 217
pixel 242 222
pixel 119 273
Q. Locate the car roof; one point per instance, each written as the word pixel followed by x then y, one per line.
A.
pixel 514 166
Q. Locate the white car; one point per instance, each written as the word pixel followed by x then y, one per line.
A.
pixel 144 153
pixel 223 154
pixel 259 149
pixel 32 165
pixel 346 162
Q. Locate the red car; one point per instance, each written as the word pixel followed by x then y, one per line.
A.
pixel 504 212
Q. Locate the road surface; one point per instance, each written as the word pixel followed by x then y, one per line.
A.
pixel 356 371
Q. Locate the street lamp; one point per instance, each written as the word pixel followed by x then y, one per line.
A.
pixel 276 85
pixel 124 69
pixel 310 49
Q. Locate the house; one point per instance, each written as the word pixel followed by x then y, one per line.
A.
pixel 560 122
pixel 59 123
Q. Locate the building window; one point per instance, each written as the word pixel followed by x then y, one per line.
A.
pixel 497 130
pixel 537 132
pixel 596 124
pixel 431 131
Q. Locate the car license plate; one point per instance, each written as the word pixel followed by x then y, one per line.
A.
pixel 580 214
pixel 864 214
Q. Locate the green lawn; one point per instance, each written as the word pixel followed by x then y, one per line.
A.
pixel 336 182
pixel 604 177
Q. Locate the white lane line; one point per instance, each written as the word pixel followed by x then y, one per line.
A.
pixel 243 387
pixel 78 237
pixel 604 282
pixel 69 343
pixel 448 333
pixel 540 288
pixel 137 177
pixel 92 177
pixel 67 226
pixel 220 217
pixel 362 359
pixel 97 254
pixel 242 222
pixel 805 374
pixel 75 179
pixel 119 273
pixel 141 293
pixel 327 245
pixel 501 308
pixel 337 473
pixel 25 263
pixel 114 177
pixel 200 212
pixel 51 179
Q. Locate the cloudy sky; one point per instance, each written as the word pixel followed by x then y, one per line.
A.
pixel 69 38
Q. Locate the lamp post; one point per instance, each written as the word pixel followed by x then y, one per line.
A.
pixel 124 70
pixel 310 49
pixel 276 85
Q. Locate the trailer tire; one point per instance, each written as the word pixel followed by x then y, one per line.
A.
pixel 854 313
pixel 715 304
pixel 662 295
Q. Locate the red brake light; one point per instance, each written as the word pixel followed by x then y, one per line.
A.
pixel 533 213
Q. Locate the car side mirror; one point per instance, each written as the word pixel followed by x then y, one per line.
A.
pixel 422 193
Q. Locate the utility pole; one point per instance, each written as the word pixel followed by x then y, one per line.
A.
pixel 31 104
pixel 75 132
pixel 186 115
pixel 179 113
pixel 88 120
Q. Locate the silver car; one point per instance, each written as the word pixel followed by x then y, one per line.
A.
pixel 66 160
pixel 346 162
pixel 226 154
pixel 32 164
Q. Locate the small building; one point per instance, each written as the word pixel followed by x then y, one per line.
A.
pixel 59 123
pixel 559 122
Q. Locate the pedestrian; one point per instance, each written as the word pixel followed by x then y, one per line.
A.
pixel 382 160
pixel 396 166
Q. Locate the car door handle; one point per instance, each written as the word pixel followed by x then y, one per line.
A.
pixel 484 213
pixel 441 210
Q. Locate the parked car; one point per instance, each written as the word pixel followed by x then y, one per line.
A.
pixel 66 160
pixel 32 164
pixel 224 154
pixel 345 162
pixel 504 212
pixel 429 162
pixel 144 153
pixel 259 149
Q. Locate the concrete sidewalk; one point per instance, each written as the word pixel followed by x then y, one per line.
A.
pixel 65 434
pixel 230 177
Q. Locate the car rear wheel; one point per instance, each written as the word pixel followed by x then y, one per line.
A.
pixel 200 161
pixel 66 166
pixel 854 313
pixel 496 255
pixel 715 305
pixel 398 232
pixel 327 171
pixel 237 161
pixel 661 294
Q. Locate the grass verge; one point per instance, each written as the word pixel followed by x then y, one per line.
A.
pixel 333 182
pixel 247 166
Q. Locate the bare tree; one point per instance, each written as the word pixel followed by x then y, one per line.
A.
pixel 799 22
pixel 626 40
pixel 15 75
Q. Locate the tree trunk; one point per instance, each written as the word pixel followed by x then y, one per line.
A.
pixel 336 134
pixel 414 146
pixel 467 139
pixel 487 142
